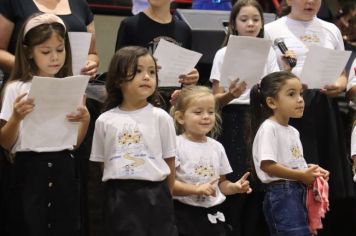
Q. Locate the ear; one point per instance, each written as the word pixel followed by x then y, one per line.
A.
pixel 27 51
pixel 271 103
pixel 179 117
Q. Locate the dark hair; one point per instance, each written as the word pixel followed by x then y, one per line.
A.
pixel 123 68
pixel 235 11
pixel 269 86
pixel 185 98
pixel 25 67
pixel 346 9
pixel 285 9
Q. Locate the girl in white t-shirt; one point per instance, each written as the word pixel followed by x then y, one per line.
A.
pixel 136 142
pixel 43 190
pixel 201 165
pixel 278 153
pixel 353 151
pixel 246 19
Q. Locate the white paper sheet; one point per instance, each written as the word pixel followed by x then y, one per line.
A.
pixel 323 66
pixel 174 61
pixel 54 98
pixel 245 58
pixel 80 44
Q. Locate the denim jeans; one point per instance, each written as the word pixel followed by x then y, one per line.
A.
pixel 285 210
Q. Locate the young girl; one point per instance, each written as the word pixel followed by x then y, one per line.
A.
pixel 45 184
pixel 136 143
pixel 278 153
pixel 201 167
pixel 246 19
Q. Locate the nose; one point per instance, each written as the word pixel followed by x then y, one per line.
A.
pixel 250 22
pixel 54 55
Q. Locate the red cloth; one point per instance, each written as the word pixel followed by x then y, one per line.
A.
pixel 317 203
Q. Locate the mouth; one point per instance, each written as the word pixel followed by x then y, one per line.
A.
pixel 145 86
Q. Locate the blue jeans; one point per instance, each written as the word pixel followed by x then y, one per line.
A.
pixel 223 5
pixel 285 209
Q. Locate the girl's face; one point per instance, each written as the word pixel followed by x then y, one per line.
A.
pixel 248 22
pixel 304 10
pixel 143 84
pixel 289 102
pixel 199 118
pixel 49 56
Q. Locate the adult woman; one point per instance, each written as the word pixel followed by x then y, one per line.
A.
pixel 321 130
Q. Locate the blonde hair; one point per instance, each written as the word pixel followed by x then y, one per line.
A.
pixel 186 96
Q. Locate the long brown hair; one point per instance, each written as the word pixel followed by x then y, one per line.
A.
pixel 25 67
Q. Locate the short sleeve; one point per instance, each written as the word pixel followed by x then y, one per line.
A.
pixel 168 136
pixel 224 167
pixel 217 65
pixel 98 147
pixel 9 98
pixel 121 36
pixel 353 142
pixel 266 145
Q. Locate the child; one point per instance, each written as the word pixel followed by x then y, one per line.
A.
pixel 246 19
pixel 136 143
pixel 278 153
pixel 353 151
pixel 45 182
pixel 201 167
pixel 148 27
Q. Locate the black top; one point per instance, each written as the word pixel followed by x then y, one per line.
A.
pixel 140 30
pixel 18 11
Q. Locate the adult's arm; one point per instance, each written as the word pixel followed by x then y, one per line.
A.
pixel 91 68
pixel 7 59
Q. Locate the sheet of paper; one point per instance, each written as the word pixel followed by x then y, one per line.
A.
pixel 323 66
pixel 174 61
pixel 54 98
pixel 79 43
pixel 245 58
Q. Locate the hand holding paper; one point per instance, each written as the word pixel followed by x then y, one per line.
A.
pixel 47 125
pixel 174 61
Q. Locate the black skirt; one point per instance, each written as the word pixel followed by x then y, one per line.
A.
pixel 194 221
pixel 42 195
pixel 138 208
pixel 323 138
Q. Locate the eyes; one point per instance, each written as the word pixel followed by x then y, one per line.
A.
pixel 46 51
pixel 246 19
pixel 295 93
pixel 199 112
pixel 151 72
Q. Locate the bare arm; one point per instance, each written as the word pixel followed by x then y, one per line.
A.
pixel 10 129
pixel 7 59
pixel 306 176
pixel 236 88
pixel 171 177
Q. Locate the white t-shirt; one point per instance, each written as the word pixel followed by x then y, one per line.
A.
pixel 352 82
pixel 215 74
pixel 299 35
pixel 134 144
pixel 13 90
pixel 199 163
pixel 277 143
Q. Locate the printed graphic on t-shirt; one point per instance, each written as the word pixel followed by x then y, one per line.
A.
pixel 310 38
pixel 203 172
pixel 297 161
pixel 131 153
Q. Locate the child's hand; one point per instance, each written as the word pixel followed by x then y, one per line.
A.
pixel 310 174
pixel 90 68
pixel 243 185
pixel 237 88
pixel 22 107
pixel 189 79
pixel 81 115
pixel 208 189
pixel 332 90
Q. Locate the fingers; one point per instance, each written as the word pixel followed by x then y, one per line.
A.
pixel 245 176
